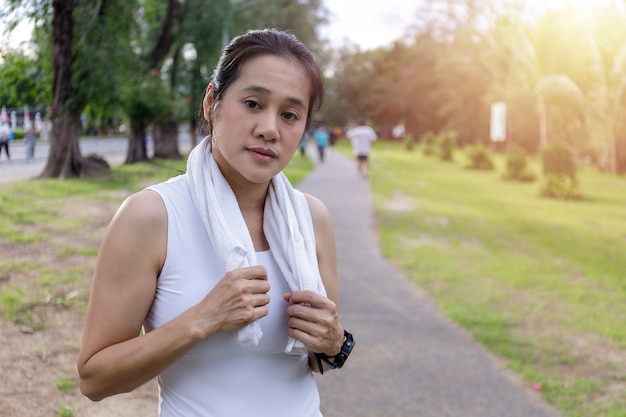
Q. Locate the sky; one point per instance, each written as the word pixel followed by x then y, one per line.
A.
pixel 369 23
pixel 19 34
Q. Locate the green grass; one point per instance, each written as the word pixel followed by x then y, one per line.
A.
pixel 540 282
pixel 66 411
pixel 67 385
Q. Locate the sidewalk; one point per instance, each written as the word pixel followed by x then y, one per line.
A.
pixel 112 148
pixel 409 360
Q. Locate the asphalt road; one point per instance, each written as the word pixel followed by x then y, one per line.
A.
pixel 113 149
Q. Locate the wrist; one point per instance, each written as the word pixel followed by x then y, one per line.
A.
pixel 337 361
pixel 336 350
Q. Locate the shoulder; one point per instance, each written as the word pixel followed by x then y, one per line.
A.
pixel 143 211
pixel 320 216
pixel 138 227
pixel 319 211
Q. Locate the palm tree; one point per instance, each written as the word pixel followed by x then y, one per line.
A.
pixel 606 65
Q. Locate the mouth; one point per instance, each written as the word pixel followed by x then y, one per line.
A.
pixel 264 153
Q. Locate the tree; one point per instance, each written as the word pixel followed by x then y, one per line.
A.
pixel 23 80
pixel 84 57
pixel 147 97
pixel 601 64
pixel 572 63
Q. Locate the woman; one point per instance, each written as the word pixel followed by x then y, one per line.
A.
pixel 231 272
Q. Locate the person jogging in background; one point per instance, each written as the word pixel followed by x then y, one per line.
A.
pixel 362 137
pixel 321 133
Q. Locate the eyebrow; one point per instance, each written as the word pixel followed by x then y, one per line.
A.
pixel 262 90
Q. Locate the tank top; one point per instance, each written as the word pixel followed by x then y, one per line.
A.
pixel 218 377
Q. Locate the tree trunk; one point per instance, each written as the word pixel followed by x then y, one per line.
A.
pixel 137 150
pixel 64 158
pixel 166 139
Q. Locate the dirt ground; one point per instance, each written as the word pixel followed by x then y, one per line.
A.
pixel 38 350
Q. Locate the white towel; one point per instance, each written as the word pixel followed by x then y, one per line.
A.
pixel 287 225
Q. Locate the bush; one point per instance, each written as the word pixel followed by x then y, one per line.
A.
pixel 447 141
pixel 428 140
pixel 19 134
pixel 409 142
pixel 479 158
pixel 517 166
pixel 559 170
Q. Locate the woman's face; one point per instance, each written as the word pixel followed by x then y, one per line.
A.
pixel 261 118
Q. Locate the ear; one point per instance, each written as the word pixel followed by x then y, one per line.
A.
pixel 207 103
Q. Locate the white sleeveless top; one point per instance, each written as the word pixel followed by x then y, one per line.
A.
pixel 218 377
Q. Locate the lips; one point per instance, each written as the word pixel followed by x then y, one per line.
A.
pixel 264 152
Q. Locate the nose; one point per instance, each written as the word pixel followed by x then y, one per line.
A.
pixel 267 127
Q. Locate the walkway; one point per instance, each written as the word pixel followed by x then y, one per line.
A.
pixel 409 361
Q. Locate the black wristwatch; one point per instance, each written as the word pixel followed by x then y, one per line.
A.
pixel 337 361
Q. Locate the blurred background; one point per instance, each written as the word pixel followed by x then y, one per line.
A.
pixel 550 70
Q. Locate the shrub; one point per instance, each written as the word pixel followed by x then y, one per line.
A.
pixel 447 141
pixel 409 142
pixel 559 170
pixel 428 140
pixel 18 134
pixel 479 157
pixel 517 166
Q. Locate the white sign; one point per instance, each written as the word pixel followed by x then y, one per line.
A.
pixel 498 122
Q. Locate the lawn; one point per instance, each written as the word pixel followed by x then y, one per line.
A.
pixel 540 282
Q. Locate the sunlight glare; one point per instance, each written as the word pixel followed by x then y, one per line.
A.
pixel 540 7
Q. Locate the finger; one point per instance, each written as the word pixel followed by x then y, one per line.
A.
pixel 251 272
pixel 305 326
pixel 260 300
pixel 309 297
pixel 311 303
pixel 304 312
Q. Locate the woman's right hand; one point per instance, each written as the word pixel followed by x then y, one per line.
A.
pixel 237 300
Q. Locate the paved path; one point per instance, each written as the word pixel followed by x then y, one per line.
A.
pixel 409 361
pixel 113 149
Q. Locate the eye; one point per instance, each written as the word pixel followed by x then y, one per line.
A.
pixel 252 104
pixel 290 116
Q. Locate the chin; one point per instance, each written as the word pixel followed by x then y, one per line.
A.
pixel 260 178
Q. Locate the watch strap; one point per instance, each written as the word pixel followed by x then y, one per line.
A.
pixel 337 361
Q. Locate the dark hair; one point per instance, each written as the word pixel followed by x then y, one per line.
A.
pixel 264 42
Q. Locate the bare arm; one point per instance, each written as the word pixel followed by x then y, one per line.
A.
pixel 113 357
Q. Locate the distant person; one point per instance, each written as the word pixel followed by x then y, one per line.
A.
pixel 30 139
pixel 322 135
pixel 362 137
pixel 398 132
pixel 5 134
pixel 303 142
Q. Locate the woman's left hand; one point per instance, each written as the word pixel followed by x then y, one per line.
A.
pixel 314 320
